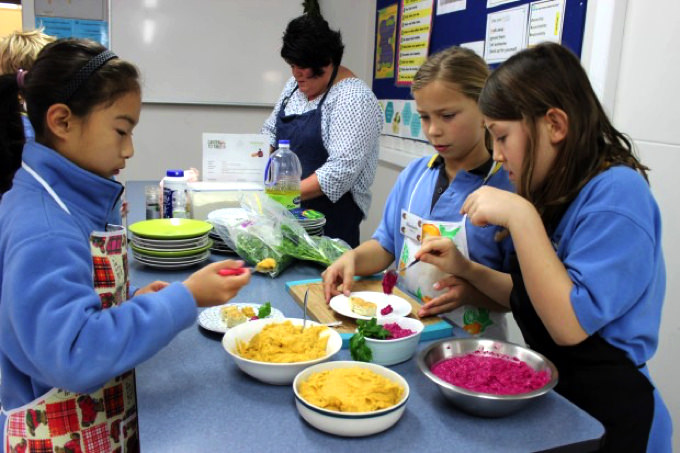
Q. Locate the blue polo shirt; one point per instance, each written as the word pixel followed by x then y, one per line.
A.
pixel 426 202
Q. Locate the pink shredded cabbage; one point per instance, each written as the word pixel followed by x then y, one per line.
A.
pixel 490 372
pixel 389 280
pixel 396 331
pixel 387 310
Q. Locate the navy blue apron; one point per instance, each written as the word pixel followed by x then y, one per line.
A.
pixel 304 132
pixel 594 375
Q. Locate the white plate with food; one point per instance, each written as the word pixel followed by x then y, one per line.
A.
pixel 217 319
pixel 370 304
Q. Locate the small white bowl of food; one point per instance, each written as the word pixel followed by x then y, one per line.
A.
pixel 274 351
pixel 390 340
pixel 351 399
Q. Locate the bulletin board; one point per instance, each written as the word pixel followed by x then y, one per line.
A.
pixel 470 25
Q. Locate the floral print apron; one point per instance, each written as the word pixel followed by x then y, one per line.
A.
pixel 104 420
pixel 421 277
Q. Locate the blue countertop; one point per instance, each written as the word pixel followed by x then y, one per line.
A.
pixel 192 397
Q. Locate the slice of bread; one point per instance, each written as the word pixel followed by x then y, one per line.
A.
pixel 362 307
pixel 232 316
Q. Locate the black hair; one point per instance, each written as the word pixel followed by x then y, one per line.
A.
pixel 11 130
pixel 44 85
pixel 308 42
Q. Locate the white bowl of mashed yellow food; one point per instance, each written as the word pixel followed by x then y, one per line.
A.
pixel 351 399
pixel 276 350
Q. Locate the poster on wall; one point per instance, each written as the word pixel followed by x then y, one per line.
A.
pixel 505 33
pixel 450 6
pixel 234 157
pixel 402 119
pixel 545 21
pixel 415 30
pixel 74 19
pixel 385 44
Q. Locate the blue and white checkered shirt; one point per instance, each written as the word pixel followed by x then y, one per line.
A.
pixel 351 122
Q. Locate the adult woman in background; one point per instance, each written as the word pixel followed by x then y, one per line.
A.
pixel 333 122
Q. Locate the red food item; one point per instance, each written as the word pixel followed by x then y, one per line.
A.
pixel 396 331
pixel 490 372
pixel 236 271
pixel 387 310
pixel 389 280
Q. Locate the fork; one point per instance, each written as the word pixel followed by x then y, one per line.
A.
pixel 304 319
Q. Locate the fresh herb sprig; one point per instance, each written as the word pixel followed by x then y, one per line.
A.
pixel 264 310
pixel 357 343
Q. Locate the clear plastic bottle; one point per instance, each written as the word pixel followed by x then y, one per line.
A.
pixel 282 176
pixel 153 206
pixel 174 194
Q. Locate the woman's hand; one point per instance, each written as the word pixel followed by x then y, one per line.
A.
pixel 491 206
pixel 443 253
pixel 210 288
pixel 152 287
pixel 341 272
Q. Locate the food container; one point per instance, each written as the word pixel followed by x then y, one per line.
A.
pixel 477 403
pixel 390 352
pixel 350 424
pixel 207 196
pixel 274 373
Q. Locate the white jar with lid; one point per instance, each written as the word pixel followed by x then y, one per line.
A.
pixel 174 194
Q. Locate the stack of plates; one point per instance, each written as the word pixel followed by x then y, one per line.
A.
pixel 312 221
pixel 218 244
pixel 171 243
pixel 225 216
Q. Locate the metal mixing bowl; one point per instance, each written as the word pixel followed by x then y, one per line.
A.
pixel 484 404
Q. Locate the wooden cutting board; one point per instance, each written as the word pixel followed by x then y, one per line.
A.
pixel 319 311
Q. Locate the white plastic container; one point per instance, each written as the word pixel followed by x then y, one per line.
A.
pixel 282 176
pixel 174 194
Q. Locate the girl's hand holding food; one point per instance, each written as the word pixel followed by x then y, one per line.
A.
pixel 341 272
pixel 443 253
pixel 491 206
pixel 210 288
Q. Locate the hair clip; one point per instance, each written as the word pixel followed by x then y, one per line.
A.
pixel 21 74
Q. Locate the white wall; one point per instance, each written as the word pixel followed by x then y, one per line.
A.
pixel 647 108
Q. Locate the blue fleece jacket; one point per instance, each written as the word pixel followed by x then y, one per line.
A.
pixel 53 332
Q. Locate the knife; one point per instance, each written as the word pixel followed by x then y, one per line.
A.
pixel 410 264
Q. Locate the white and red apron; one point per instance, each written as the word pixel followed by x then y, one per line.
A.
pixel 106 419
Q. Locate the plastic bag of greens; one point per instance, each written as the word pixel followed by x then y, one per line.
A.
pixel 290 238
pixel 330 248
pixel 294 238
pixel 254 234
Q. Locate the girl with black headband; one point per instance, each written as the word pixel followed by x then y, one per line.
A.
pixel 70 336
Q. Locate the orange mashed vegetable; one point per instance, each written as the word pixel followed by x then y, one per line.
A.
pixel 350 390
pixel 285 343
